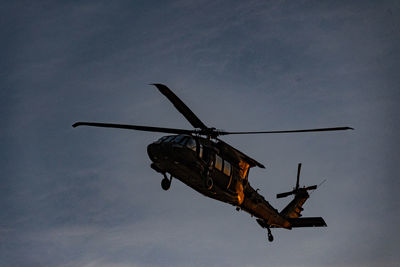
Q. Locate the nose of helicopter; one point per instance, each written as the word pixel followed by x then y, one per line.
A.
pixel 155 152
pixel 172 149
pixel 159 152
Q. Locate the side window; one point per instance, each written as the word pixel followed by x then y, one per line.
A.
pixel 227 168
pixel 218 162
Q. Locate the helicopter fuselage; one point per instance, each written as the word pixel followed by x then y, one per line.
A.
pixel 196 160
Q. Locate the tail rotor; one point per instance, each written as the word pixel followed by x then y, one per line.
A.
pixel 297 189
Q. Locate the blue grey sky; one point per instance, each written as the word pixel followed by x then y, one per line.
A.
pixel 87 196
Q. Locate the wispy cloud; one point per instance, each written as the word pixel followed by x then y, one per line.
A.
pixel 86 197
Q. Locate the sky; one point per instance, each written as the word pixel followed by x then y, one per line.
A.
pixel 87 196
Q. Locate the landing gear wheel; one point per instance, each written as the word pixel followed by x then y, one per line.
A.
pixel 166 183
pixel 270 236
pixel 209 183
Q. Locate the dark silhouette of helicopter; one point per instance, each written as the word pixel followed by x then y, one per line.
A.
pixel 217 170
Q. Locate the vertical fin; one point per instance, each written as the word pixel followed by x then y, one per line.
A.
pixel 295 207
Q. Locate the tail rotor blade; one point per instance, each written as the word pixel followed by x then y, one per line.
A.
pixel 313 187
pixel 281 195
pixel 298 176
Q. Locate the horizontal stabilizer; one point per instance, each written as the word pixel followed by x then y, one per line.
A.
pixel 307 222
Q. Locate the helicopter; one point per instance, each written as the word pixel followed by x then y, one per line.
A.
pixel 212 167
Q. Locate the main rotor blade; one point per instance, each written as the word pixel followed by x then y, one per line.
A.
pixel 290 131
pixel 134 127
pixel 180 106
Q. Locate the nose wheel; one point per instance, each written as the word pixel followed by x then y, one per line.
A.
pixel 166 183
pixel 269 235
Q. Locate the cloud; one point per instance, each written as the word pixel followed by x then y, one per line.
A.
pixel 86 197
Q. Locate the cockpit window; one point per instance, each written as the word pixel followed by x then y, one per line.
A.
pixel 183 141
pixel 179 138
pixel 161 139
pixel 191 143
pixel 169 138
